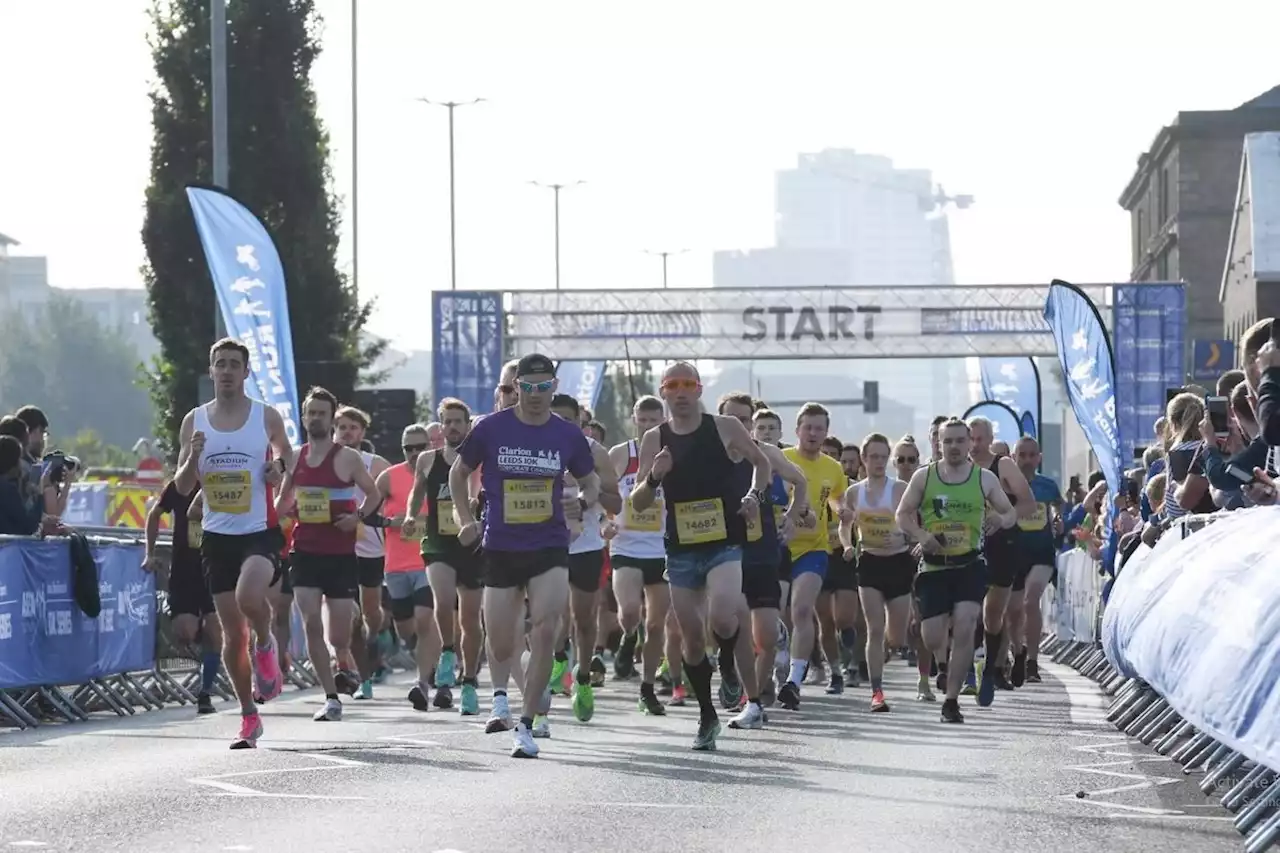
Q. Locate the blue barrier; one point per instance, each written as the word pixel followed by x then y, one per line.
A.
pixel 45 639
pixel 1198 620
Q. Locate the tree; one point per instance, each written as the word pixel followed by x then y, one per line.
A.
pixel 93 452
pixel 81 375
pixel 613 407
pixel 278 153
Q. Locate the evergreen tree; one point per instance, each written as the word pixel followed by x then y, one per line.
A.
pixel 613 407
pixel 278 152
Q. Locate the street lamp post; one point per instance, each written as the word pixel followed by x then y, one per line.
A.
pixel 453 223
pixel 664 256
pixel 218 101
pixel 555 192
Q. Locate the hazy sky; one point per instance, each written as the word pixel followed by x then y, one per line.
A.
pixel 676 114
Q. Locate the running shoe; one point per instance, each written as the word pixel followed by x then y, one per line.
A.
pixel 250 732
pixel 705 740
pixel 266 671
pixel 446 670
pixel 524 746
pixel 678 697
pixel 923 691
pixel 346 682
pixel 418 698
pixel 970 684
pixel 951 711
pixel 204 704
pixel 1002 680
pixel 624 662
pixel 330 713
pixel 768 695
pixel 730 691
pixel 750 717
pixel 559 670
pixel 789 696
pixel 541 727
pixel 444 697
pixel 500 716
pixel 987 686
pixel 1018 674
pixel 470 704
pixel 598 671
pixel 836 687
pixel 878 705
pixel 651 705
pixel 366 690
pixel 1033 672
pixel 584 702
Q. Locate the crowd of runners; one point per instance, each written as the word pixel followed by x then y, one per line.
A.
pixel 517 540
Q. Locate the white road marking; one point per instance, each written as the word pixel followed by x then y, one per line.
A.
pixel 1172 816
pixel 240 847
pixel 409 740
pixel 1142 810
pixel 1088 703
pixel 651 806
pixel 231 789
pixel 28 844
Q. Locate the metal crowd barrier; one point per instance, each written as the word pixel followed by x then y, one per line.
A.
pixel 1139 711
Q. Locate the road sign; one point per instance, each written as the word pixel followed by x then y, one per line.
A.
pixel 1212 359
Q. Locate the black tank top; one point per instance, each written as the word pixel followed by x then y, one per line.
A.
pixel 701 492
pixel 433 542
pixel 1005 536
pixel 761 536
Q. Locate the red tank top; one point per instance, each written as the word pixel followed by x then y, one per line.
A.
pixel 321 497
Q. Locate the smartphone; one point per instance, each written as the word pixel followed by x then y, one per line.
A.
pixel 1245 477
pixel 1218 408
pixel 1180 463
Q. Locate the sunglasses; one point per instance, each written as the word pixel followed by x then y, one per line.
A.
pixel 537 387
pixel 681 385
pixel 414 448
pixel 907 460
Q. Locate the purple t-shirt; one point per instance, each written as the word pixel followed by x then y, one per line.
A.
pixel 521 468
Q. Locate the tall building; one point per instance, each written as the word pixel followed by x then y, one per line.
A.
pixel 1251 280
pixel 1182 199
pixel 847 219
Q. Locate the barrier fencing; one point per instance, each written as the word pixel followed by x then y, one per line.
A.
pixel 1188 648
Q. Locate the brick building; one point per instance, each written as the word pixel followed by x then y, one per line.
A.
pixel 1251 278
pixel 1181 202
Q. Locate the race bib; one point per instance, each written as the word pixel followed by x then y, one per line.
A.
pixel 313 506
pixel 527 501
pixel 955 536
pixel 228 491
pixel 445 523
pixel 754 531
pixel 195 534
pixel 875 528
pixel 649 521
pixel 1038 521
pixel 700 521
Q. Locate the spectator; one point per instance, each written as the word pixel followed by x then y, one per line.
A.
pixel 19 516
pixel 37 431
pixel 1248 447
pixel 1266 363
pixel 1228 382
pixel 1185 450
pixel 595 430
pixel 1155 493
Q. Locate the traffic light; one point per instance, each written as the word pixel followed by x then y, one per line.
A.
pixel 870 397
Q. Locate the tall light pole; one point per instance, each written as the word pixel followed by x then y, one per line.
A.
pixel 453 219
pixel 355 152
pixel 218 99
pixel 555 192
pixel 664 256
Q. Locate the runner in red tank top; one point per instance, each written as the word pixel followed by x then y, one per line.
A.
pixel 319 492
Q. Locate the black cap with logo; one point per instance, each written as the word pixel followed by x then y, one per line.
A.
pixel 535 363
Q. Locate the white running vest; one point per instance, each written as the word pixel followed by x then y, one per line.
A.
pixel 877 524
pixel 231 473
pixel 369 542
pixel 639 536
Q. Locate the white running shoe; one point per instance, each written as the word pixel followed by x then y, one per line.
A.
pixel 500 718
pixel 330 713
pixel 750 717
pixel 524 746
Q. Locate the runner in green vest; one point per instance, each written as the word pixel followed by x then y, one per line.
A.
pixel 950 498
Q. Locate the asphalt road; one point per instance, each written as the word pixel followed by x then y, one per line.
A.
pixel 832 777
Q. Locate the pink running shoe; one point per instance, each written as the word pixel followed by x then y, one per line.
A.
pixel 266 671
pixel 250 731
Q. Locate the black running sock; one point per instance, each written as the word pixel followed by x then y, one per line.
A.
pixel 528 722
pixel 498 693
pixel 700 677
pixel 647 689
pixel 582 676
pixel 598 651
pixel 562 655
pixel 992 645
pixel 469 681
pixel 728 664
pixel 333 696
pixel 448 648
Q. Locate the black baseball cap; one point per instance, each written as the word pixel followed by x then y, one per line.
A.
pixel 535 363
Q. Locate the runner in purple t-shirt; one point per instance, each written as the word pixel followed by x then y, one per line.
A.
pixel 522 454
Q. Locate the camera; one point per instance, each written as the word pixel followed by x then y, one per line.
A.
pixel 58 463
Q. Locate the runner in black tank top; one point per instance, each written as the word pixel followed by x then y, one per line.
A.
pixel 700 475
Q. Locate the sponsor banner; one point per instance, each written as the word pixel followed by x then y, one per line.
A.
pixel 466 346
pixel 1211 359
pixel 1016 383
pixel 852 322
pixel 1150 325
pixel 582 381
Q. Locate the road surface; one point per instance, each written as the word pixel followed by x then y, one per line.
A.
pixel 831 777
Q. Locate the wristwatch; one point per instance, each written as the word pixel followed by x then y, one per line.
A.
pixel 652 483
pixel 758 495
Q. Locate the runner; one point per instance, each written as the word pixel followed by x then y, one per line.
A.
pixel 318 489
pixel 885 567
pixel 1001 554
pixel 639 560
pixel 586 569
pixel 1036 538
pixel 351 425
pixel 226 450
pixel 952 496
pixel 810 546
pixel 521 453
pixel 761 594
pixel 413 606
pixel 840 619
pixel 688 456
pixel 190 604
pixel 906 461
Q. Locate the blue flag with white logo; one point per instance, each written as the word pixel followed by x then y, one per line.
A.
pixel 248 280
pixel 581 380
pixel 1014 382
pixel 1084 351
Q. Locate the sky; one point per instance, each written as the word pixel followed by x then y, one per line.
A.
pixel 675 114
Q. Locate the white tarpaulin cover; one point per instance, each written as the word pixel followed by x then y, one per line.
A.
pixel 1198 619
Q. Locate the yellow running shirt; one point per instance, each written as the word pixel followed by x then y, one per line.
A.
pixel 826 478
